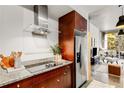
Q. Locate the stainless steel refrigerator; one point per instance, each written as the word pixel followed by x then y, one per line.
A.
pixel 80 58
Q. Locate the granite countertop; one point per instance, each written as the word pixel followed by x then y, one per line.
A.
pixel 11 77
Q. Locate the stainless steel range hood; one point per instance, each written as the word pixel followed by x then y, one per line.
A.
pixel 41 19
pixel 40 26
pixel 41 15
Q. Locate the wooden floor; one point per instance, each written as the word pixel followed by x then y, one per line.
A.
pixel 100 73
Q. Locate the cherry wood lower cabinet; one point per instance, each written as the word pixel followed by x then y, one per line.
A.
pixel 26 83
pixel 57 78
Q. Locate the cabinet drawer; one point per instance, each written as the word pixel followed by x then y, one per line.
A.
pixel 44 76
pixel 27 83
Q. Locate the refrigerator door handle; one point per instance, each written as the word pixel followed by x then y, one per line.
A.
pixel 80 57
pixel 80 64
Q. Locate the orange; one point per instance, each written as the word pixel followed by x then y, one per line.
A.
pixel 5 61
pixel 11 61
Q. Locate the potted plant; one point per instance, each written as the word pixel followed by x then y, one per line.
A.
pixel 57 53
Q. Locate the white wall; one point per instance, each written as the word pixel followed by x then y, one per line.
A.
pixel 95 34
pixel 14 19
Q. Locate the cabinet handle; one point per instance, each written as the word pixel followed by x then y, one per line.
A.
pixel 58 80
pixel 18 86
pixel 68 66
pixel 82 29
pixel 65 73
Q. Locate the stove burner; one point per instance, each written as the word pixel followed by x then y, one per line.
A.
pixel 50 65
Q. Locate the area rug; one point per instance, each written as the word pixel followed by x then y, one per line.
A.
pixel 97 84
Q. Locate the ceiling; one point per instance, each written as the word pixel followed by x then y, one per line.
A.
pixel 107 18
pixel 56 11
pixel 91 8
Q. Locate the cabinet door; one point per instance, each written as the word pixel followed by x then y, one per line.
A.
pixel 67 77
pixel 80 22
pixel 52 82
pixel 66 35
pixel 55 82
pixel 59 78
pixel 27 83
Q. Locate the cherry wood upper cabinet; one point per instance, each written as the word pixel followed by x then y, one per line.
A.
pixel 80 22
pixel 66 34
pixel 67 24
